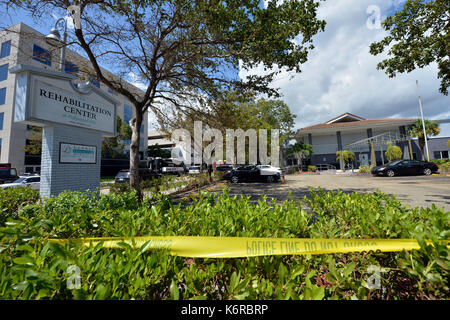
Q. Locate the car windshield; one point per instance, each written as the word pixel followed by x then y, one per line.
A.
pixel 393 163
pixel 194 168
pixel 5 172
pixel 19 180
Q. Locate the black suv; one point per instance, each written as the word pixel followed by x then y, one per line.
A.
pixel 224 167
pixel 8 175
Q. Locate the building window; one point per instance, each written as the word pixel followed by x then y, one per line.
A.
pixel 6 49
pixel 127 113
pixel 71 68
pixel 2 116
pixel 2 96
pixel 95 82
pixel 440 155
pixel 42 55
pixel 112 92
pixel 4 72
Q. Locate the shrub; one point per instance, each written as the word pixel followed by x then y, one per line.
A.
pixel 312 168
pixel 440 161
pixel 365 169
pixel 218 175
pixel 31 268
pixel 12 199
pixel 444 167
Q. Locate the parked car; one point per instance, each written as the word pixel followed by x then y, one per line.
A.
pixel 194 170
pixel 145 174
pixel 26 181
pixel 268 170
pixel 224 167
pixel 249 173
pixel 8 175
pixel 405 167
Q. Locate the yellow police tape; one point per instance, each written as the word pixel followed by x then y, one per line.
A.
pixel 236 247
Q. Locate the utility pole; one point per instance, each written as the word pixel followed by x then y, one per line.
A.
pixel 423 122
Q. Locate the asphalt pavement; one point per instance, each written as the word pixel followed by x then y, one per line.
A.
pixel 417 191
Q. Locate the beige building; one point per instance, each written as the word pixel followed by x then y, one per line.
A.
pixel 21 44
pixel 156 137
pixel 346 130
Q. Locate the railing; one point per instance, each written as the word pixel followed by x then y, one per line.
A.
pixel 319 167
pixel 322 167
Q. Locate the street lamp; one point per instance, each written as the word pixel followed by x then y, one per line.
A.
pixel 54 39
pixel 423 122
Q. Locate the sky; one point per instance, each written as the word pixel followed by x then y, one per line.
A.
pixel 340 75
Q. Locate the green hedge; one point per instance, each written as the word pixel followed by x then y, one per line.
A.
pixel 444 167
pixel 12 199
pixel 365 169
pixel 31 268
pixel 169 182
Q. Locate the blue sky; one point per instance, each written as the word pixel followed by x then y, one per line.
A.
pixel 340 75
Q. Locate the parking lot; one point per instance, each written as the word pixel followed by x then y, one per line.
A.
pixel 417 191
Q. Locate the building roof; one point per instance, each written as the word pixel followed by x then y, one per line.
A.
pixel 348 120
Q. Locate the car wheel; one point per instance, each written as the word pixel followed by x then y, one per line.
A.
pixel 390 173
pixel 270 179
pixel 427 171
pixel 235 179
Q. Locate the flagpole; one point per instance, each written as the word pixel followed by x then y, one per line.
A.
pixel 423 122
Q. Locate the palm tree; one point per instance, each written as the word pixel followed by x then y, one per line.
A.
pixel 416 130
pixel 345 156
pixel 301 150
pixel 393 152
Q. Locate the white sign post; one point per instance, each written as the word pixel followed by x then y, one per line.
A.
pixel 73 122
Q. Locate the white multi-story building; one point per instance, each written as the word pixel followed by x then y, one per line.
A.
pixel 21 44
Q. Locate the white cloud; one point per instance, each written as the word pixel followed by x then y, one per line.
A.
pixel 136 81
pixel 341 76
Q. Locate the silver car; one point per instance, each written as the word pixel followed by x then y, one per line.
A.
pixel 29 181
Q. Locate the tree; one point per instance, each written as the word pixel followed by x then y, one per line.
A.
pixel 34 145
pixel 156 151
pixel 183 51
pixel 418 36
pixel 416 130
pixel 238 111
pixel 346 156
pixel 393 152
pixel 113 147
pixel 301 151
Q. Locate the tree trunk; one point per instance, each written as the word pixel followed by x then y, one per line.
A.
pixel 299 161
pixel 134 155
pixel 422 147
pixel 210 169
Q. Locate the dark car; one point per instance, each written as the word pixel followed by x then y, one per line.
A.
pixel 144 174
pixel 244 173
pixel 224 167
pixel 8 175
pixel 405 168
